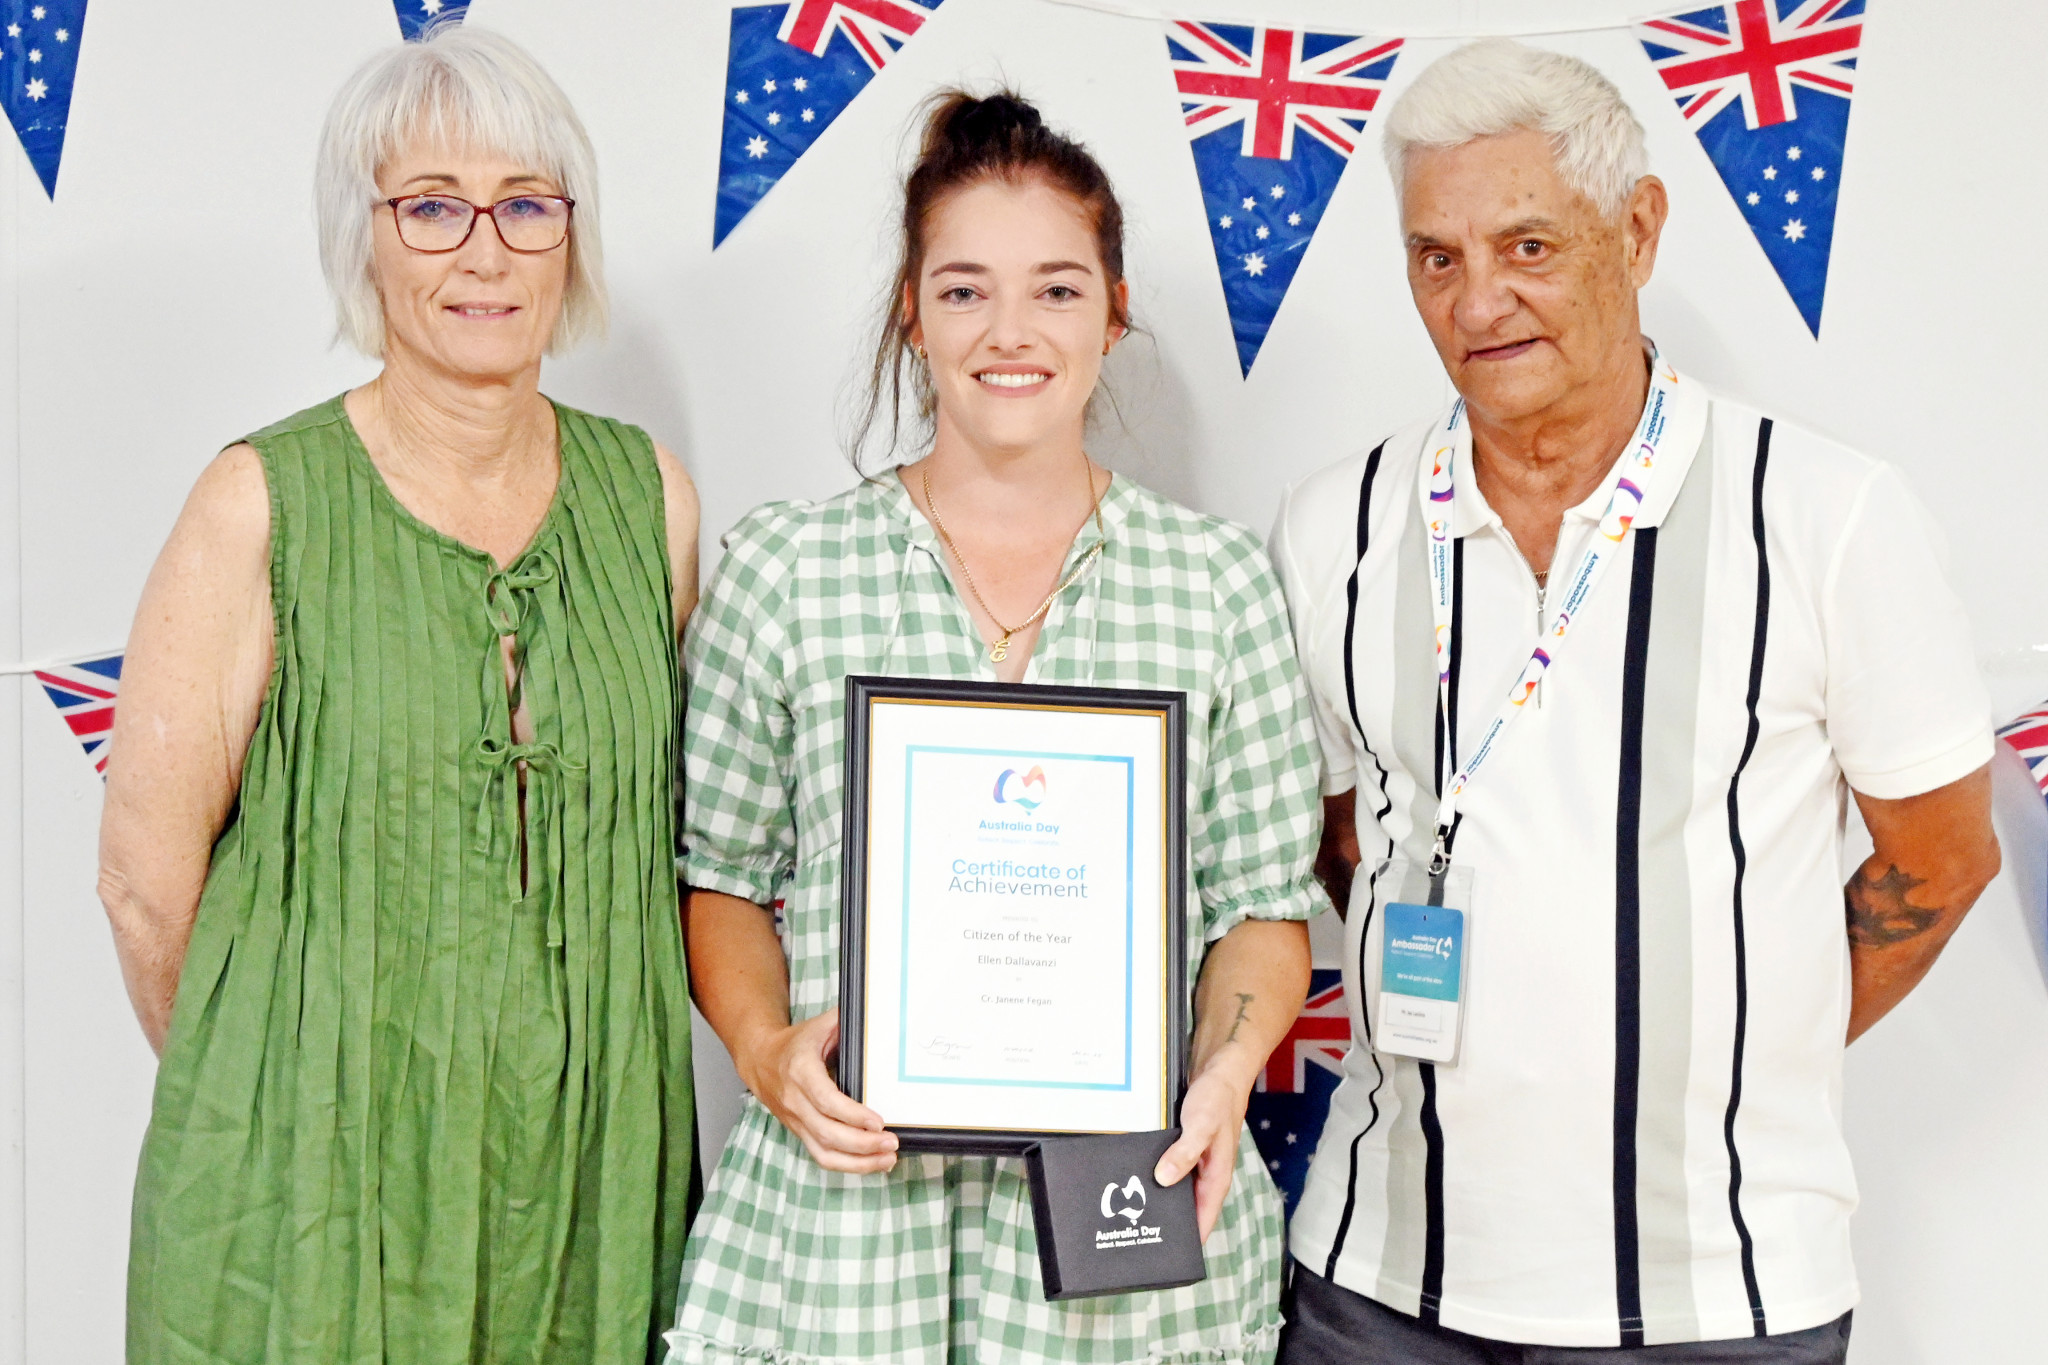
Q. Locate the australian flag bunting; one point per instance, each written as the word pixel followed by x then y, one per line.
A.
pixel 38 62
pixel 415 17
pixel 1291 1098
pixel 792 69
pixel 1273 116
pixel 1765 86
pixel 2028 735
pixel 84 692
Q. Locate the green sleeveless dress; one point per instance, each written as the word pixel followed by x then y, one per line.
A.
pixel 426 1097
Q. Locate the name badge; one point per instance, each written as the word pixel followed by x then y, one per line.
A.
pixel 1422 977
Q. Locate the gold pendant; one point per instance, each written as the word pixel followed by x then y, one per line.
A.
pixel 1000 650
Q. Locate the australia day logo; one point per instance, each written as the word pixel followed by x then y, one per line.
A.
pixel 1025 789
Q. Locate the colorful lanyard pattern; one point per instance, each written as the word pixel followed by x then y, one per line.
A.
pixel 1438 493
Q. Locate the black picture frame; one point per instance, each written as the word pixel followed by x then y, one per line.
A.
pixel 862 692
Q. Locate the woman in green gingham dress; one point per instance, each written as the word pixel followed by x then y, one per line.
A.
pixel 817 1242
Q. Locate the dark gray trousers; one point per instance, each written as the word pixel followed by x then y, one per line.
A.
pixel 1327 1324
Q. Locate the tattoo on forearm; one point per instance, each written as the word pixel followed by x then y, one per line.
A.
pixel 1244 1008
pixel 1878 913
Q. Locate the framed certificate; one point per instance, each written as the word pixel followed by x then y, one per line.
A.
pixel 1013 953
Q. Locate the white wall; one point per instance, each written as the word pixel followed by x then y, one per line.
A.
pixel 169 302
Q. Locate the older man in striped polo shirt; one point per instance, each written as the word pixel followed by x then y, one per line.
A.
pixel 1598 657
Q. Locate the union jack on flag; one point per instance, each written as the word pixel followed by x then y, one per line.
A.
pixel 1291 1098
pixel 1790 66
pixel 791 69
pixel 876 28
pixel 84 693
pixel 2028 737
pixel 1248 95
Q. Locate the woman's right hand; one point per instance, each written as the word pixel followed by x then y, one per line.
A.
pixel 785 1068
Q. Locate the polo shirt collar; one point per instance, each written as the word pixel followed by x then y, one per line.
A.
pixel 1686 425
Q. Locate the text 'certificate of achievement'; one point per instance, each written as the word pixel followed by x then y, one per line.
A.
pixel 1012 960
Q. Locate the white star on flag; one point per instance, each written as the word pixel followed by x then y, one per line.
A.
pixel 1294 220
pixel 64 36
pixel 1820 172
pixel 757 147
pixel 14 30
pixel 774 119
pixel 38 13
pixel 1792 153
pixel 809 114
pixel 1255 264
pixel 36 90
pixel 1770 172
pixel 800 84
pixel 1279 191
pixel 431 6
pixel 1755 198
pixel 1264 233
pixel 1225 221
pixel 1794 230
pixel 1250 204
pixel 741 97
pixel 1791 196
pixel 767 87
pixel 1290 1139
pixel 35 54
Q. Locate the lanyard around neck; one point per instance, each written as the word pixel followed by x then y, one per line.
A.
pixel 1437 493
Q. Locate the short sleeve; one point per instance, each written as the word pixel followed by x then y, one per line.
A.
pixel 1906 709
pixel 1333 730
pixel 1257 821
pixel 738 820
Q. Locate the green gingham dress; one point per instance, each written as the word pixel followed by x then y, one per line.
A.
pixel 936 1260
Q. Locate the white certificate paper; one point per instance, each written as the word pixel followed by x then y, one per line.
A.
pixel 1015 919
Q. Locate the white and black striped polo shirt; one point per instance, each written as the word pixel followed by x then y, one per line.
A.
pixel 1641 1140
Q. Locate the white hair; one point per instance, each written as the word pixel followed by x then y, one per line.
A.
pixel 461 87
pixel 1497 85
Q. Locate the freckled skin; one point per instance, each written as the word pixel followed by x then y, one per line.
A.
pixel 1502 253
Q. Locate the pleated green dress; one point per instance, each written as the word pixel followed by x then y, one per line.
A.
pixel 426 1098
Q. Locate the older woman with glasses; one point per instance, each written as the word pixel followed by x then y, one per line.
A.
pixel 389 839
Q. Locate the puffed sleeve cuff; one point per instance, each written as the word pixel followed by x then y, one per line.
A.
pixel 758 883
pixel 1299 901
pixel 1956 761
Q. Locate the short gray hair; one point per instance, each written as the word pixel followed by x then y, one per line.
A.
pixel 1497 85
pixel 465 87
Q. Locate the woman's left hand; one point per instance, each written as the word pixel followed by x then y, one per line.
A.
pixel 1253 981
pixel 1211 1121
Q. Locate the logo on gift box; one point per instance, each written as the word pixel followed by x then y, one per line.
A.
pixel 1026 789
pixel 1134 1189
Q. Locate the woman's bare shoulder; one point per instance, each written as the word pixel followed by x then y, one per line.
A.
pixel 229 506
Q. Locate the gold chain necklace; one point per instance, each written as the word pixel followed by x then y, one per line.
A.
pixel 1000 650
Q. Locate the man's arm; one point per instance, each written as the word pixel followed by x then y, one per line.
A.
pixel 1935 854
pixel 1337 857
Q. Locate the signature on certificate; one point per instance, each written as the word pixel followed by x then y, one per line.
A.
pixel 945 1049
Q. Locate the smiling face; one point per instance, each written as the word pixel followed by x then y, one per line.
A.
pixel 481 311
pixel 1527 289
pixel 1012 309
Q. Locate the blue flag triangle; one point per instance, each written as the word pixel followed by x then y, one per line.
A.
pixel 1273 116
pixel 415 17
pixel 791 69
pixel 38 63
pixel 1765 85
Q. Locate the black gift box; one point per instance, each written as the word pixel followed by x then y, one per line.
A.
pixel 1105 1226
